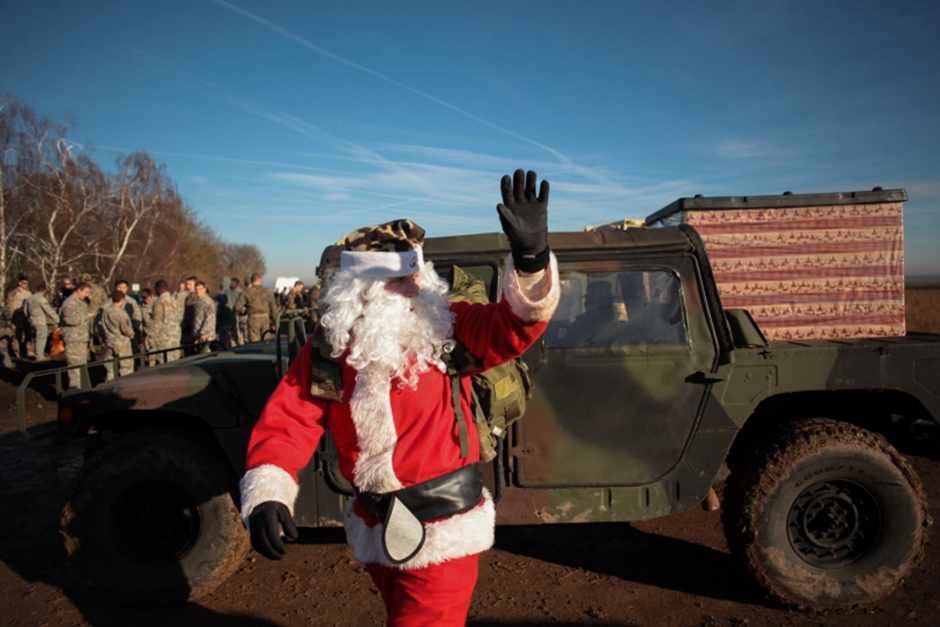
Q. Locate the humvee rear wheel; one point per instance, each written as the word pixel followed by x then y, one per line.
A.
pixel 826 515
pixel 151 518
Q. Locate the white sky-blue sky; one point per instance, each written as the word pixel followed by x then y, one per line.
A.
pixel 289 124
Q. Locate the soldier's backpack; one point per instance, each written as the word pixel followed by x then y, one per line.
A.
pixel 499 394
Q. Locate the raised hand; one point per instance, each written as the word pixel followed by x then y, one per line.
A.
pixel 524 217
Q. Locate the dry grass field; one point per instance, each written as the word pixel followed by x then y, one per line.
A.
pixel 922 309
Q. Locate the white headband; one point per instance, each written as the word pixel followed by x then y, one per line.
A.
pixel 382 264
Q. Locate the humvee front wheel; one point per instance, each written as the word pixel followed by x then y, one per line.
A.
pixel 151 520
pixel 826 515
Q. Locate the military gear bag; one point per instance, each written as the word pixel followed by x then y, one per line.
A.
pixel 499 394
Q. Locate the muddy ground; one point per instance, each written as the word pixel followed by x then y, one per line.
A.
pixel 673 571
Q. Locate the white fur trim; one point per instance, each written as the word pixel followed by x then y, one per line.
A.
pixel 371 411
pixel 458 536
pixel 532 297
pixel 266 483
pixel 382 264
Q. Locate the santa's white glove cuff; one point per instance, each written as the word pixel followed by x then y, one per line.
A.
pixel 532 297
pixel 266 483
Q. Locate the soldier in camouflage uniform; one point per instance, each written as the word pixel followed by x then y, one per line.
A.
pixel 73 322
pixel 204 315
pixel 187 310
pixel 241 322
pixel 257 302
pixel 43 318
pixel 118 332
pixel 225 313
pixel 166 326
pixel 146 323
pixel 180 296
pixel 15 314
pixel 97 298
pixel 133 311
pixel 295 297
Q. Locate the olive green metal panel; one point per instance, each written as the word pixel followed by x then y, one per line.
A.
pixel 620 413
pixel 904 365
pixel 217 390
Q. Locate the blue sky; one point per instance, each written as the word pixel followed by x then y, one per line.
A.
pixel 287 124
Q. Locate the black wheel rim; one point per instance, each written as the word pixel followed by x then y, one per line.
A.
pixel 154 523
pixel 835 523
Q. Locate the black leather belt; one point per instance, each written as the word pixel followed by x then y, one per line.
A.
pixel 449 494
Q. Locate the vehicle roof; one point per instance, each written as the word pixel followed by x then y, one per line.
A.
pixel 787 200
pixel 658 240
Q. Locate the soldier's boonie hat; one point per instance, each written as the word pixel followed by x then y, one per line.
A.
pixel 384 250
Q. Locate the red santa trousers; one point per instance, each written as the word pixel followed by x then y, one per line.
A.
pixel 437 595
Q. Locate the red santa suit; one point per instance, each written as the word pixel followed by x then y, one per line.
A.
pixel 406 439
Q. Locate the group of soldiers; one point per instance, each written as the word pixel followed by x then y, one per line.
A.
pixel 156 324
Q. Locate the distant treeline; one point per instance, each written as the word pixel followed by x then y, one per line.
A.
pixel 63 215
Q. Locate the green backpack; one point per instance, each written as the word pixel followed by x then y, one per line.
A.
pixel 499 394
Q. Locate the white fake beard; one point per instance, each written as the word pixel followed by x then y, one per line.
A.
pixel 388 334
pixel 389 337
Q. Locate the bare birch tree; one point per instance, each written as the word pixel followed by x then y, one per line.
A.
pixel 62 215
pixel 140 193
pixel 14 115
pixel 63 200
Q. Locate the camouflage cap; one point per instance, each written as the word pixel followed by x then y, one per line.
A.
pixel 394 236
pixel 398 241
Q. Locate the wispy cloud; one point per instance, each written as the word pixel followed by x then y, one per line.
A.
pixel 739 149
pixel 463 199
pixel 448 191
pixel 587 172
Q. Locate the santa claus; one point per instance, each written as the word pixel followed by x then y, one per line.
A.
pixel 421 515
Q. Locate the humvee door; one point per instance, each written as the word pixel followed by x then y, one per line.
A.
pixel 617 384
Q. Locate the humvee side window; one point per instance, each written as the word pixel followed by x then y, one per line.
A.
pixel 617 309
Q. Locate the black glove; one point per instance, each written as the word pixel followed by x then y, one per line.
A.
pixel 525 220
pixel 265 524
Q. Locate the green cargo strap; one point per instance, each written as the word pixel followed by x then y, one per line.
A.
pixel 459 416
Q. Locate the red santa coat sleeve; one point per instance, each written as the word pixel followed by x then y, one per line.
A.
pixel 498 334
pixel 284 438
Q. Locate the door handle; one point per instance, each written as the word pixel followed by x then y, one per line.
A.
pixel 707 377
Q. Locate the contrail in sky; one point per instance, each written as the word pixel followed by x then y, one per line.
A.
pixel 588 172
pixel 356 151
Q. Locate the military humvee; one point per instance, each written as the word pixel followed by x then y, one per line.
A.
pixel 649 399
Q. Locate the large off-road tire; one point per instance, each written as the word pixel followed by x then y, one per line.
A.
pixel 151 519
pixel 825 515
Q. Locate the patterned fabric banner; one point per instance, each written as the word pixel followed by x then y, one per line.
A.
pixel 810 272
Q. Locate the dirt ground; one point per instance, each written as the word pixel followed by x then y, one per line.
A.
pixel 673 571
